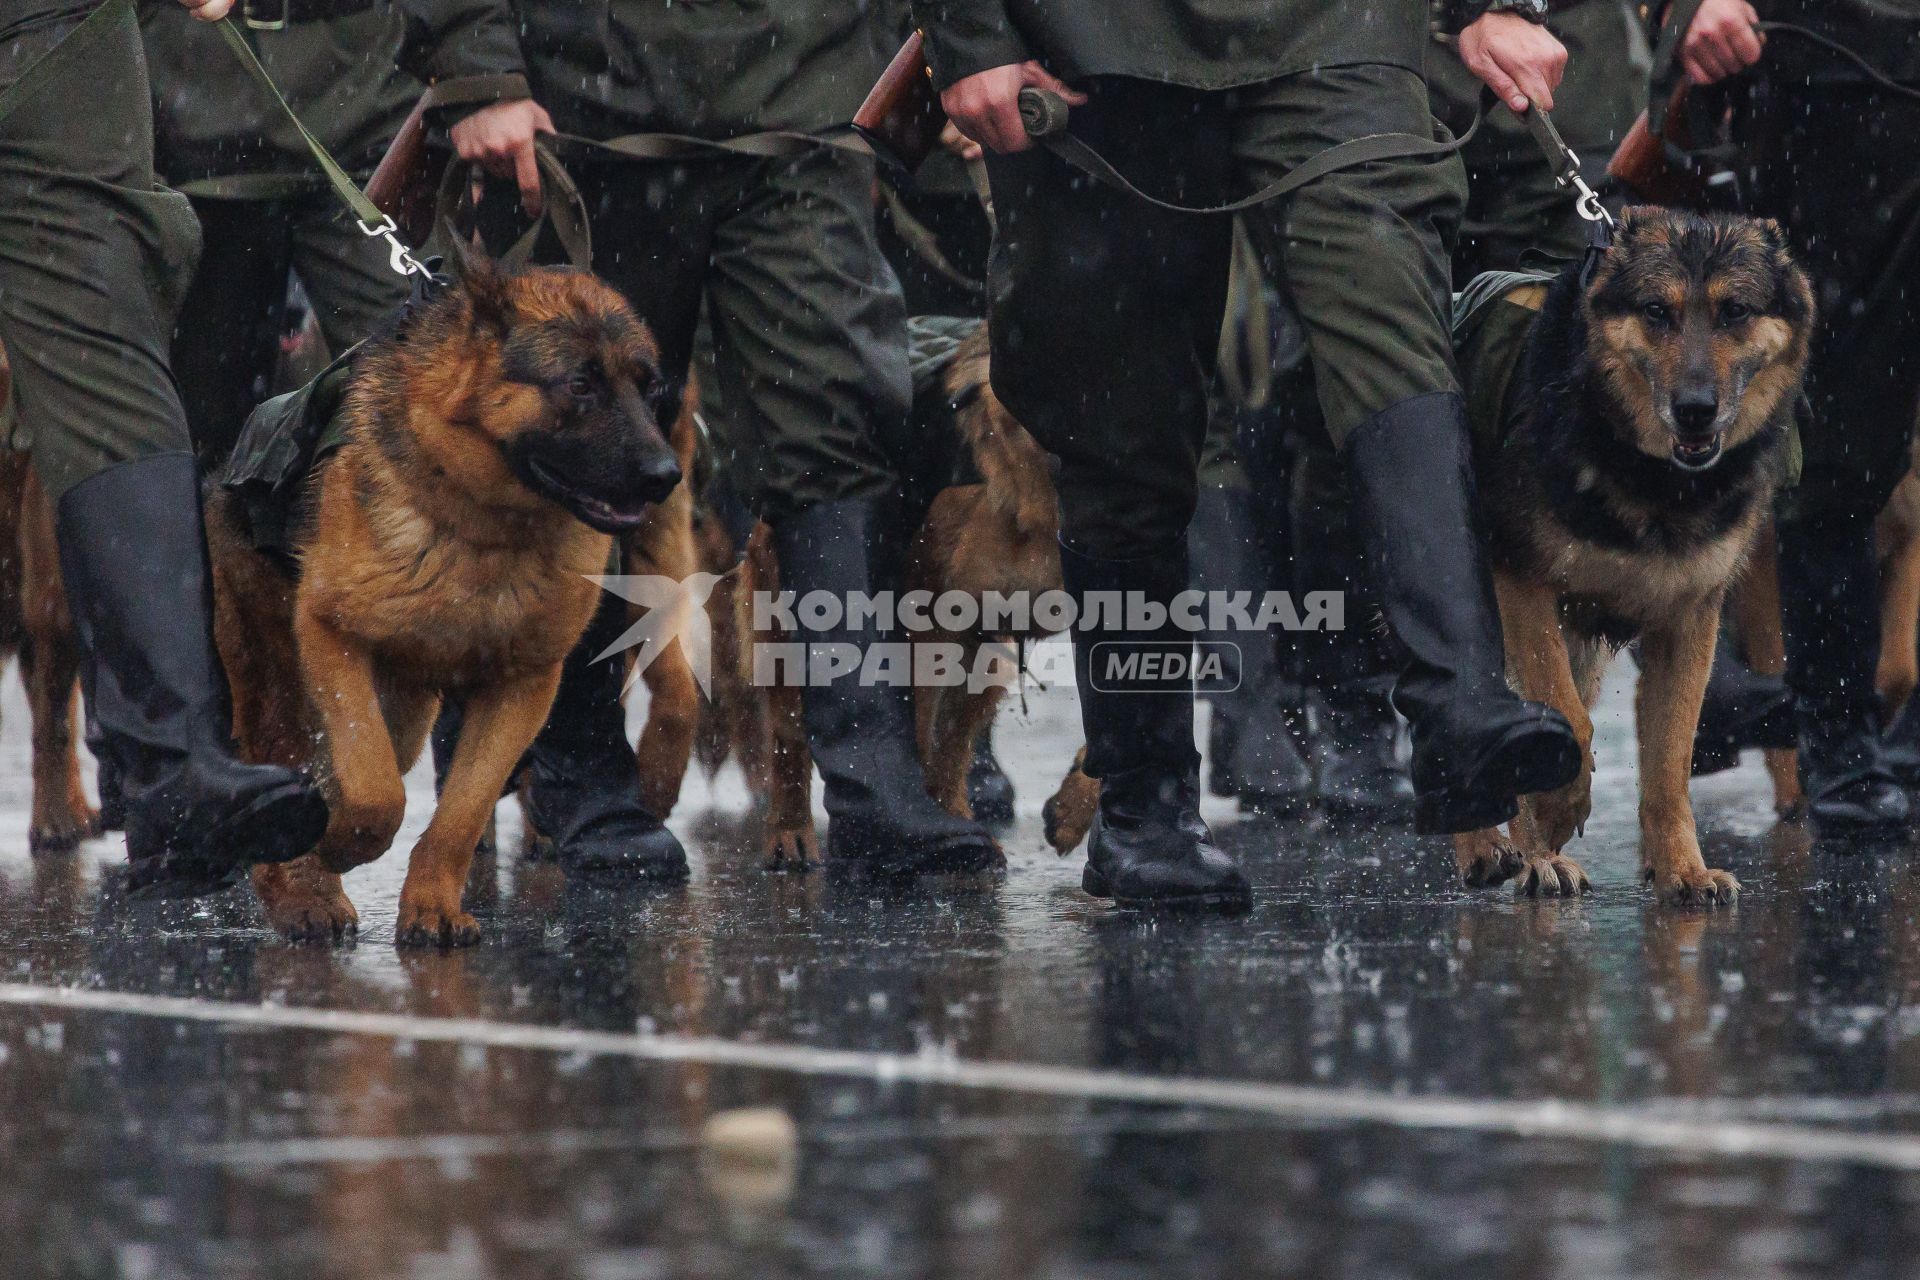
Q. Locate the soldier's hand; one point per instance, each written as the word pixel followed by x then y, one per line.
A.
pixel 1721 42
pixel 1519 60
pixel 500 138
pixel 208 10
pixel 986 106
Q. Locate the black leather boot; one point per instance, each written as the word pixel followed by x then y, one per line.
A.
pixel 1251 755
pixel 1148 846
pixel 989 789
pixel 583 784
pixel 862 736
pixel 1830 604
pixel 1354 735
pixel 134 559
pixel 1742 709
pixel 1476 746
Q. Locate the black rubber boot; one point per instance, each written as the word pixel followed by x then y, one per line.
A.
pixel 1354 737
pixel 1251 754
pixel 1829 595
pixel 583 785
pixel 989 789
pixel 1148 846
pixel 1476 746
pixel 882 820
pixel 1742 709
pixel 1357 770
pixel 134 559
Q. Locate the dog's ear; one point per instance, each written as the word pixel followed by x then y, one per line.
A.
pixel 482 280
pixel 1633 218
pixel 1775 233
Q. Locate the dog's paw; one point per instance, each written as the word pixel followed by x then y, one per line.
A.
pixel 1551 875
pixel 1563 814
pixel 63 832
pixel 794 849
pixel 426 924
pixel 1697 886
pixel 324 917
pixel 1066 819
pixel 1486 858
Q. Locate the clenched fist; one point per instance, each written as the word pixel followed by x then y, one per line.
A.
pixel 986 106
pixel 1519 60
pixel 1721 42
pixel 500 138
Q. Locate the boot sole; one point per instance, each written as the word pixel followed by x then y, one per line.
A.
pixel 1531 759
pixel 1233 902
pixel 279 826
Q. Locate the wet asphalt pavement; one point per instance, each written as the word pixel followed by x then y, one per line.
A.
pixel 1716 1055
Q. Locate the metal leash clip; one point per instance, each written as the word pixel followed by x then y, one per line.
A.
pixel 1566 166
pixel 399 257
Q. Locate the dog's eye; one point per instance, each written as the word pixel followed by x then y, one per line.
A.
pixel 580 386
pixel 1735 312
pixel 1655 312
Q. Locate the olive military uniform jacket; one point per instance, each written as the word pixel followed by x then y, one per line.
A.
pixel 1202 44
pixel 213 123
pixel 715 69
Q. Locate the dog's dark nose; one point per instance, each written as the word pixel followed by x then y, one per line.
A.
pixel 655 477
pixel 1694 414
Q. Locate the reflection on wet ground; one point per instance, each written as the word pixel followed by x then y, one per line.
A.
pixel 145 1145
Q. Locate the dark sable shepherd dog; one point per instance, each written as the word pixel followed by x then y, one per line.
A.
pixel 493 445
pixel 1647 429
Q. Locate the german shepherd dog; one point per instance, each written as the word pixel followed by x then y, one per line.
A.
pixel 493 446
pixel 999 534
pixel 35 623
pixel 1652 409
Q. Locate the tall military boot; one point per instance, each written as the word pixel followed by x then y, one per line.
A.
pixel 989 789
pixel 1476 746
pixel 1742 709
pixel 1829 596
pixel 1354 742
pixel 861 734
pixel 1251 755
pixel 1148 846
pixel 134 560
pixel 583 784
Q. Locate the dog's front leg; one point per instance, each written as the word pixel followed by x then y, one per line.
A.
pixel 1540 668
pixel 501 723
pixel 370 798
pixel 1674 662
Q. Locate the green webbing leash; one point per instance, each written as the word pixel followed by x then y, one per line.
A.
pixel 1045 116
pixel 372 221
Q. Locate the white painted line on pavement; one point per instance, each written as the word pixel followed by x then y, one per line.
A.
pixel 1573 1121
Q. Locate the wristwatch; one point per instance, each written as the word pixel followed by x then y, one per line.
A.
pixel 1532 10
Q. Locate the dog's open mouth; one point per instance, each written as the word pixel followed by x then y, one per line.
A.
pixel 597 513
pixel 1696 455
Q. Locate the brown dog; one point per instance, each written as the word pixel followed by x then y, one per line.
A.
pixel 492 447
pixel 1646 430
pixel 998 534
pixel 35 624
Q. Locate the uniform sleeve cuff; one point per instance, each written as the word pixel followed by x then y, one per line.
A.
pixel 955 55
pixel 457 97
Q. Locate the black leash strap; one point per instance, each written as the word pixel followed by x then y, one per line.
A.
pixel 1046 116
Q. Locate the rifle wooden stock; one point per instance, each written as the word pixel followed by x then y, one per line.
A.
pixel 902 118
pixel 1641 163
pixel 404 185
